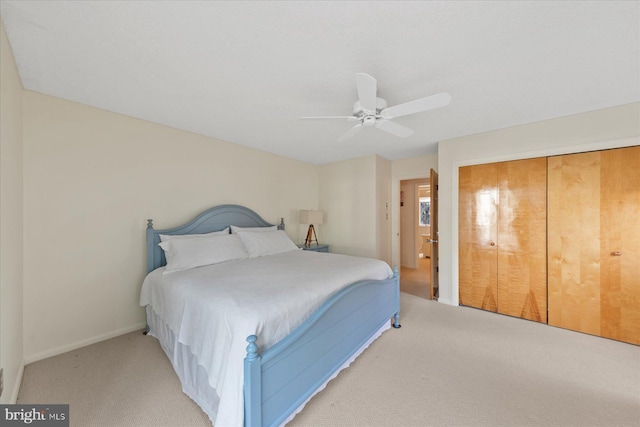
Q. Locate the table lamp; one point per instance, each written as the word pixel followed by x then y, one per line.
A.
pixel 311 217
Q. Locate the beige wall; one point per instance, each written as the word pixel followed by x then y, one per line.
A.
pixel 348 198
pixel 11 279
pixel 607 128
pixel 91 179
pixel 383 209
pixel 354 195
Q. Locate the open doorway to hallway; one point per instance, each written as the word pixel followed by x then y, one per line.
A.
pixel 415 250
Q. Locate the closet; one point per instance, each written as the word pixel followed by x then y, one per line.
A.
pixel 562 231
pixel 594 243
pixel 502 238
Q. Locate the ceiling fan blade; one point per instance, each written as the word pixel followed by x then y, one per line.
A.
pixel 351 132
pixel 394 128
pixel 350 118
pixel 367 91
pixel 422 104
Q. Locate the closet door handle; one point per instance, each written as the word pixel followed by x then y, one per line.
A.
pixel 616 253
pixel 492 244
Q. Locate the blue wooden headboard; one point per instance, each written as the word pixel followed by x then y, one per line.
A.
pixel 214 219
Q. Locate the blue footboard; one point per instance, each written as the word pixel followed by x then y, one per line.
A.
pixel 283 377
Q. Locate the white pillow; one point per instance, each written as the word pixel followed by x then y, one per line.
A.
pixel 182 254
pixel 167 237
pixel 235 229
pixel 260 244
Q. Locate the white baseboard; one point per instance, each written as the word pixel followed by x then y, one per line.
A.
pixel 79 344
pixel 16 387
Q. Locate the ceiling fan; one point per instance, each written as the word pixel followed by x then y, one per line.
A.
pixel 370 110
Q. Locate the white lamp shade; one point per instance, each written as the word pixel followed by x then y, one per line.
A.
pixel 311 217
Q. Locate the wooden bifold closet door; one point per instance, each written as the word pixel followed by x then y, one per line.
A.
pixel 477 236
pixel 594 243
pixel 502 238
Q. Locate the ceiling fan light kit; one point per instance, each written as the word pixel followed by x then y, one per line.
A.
pixel 370 110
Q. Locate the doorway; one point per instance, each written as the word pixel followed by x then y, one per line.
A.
pixel 415 250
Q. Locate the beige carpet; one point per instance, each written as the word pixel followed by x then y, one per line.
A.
pixel 415 281
pixel 446 366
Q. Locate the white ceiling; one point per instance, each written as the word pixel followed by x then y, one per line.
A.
pixel 244 72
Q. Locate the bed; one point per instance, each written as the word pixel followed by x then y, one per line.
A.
pixel 276 351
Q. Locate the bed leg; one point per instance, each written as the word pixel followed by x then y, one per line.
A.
pixel 252 385
pixel 396 321
pixel 396 317
pixel 146 330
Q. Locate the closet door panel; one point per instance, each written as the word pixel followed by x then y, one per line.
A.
pixel 522 239
pixel 574 242
pixel 620 244
pixel 477 242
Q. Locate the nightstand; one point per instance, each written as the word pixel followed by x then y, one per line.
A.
pixel 315 248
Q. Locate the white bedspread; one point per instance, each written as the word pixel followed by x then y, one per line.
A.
pixel 213 309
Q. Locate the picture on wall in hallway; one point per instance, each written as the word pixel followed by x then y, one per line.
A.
pixel 425 211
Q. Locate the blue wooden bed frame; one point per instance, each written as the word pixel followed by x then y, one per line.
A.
pixel 282 378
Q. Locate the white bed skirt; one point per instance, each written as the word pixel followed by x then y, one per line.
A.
pixel 194 378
